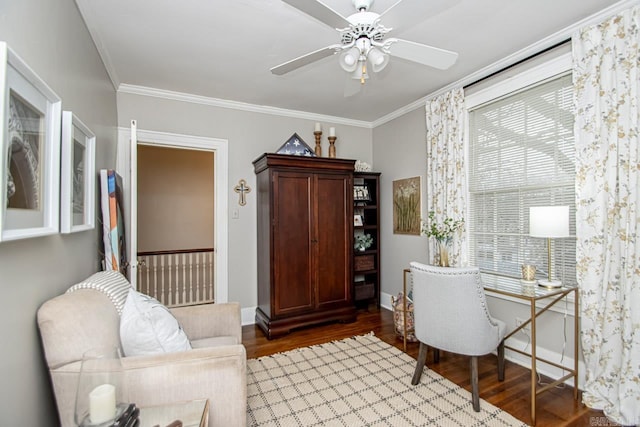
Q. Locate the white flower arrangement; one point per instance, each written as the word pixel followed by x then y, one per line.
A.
pixel 361 166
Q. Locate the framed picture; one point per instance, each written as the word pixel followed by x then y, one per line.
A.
pixel 361 193
pixel 406 206
pixel 30 145
pixel 357 221
pixel 77 175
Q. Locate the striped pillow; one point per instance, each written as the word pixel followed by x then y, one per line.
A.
pixel 111 283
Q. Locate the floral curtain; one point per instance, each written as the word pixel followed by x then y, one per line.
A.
pixel 606 73
pixel 446 176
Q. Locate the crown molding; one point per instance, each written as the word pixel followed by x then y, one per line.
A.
pixel 87 12
pixel 552 40
pixel 236 105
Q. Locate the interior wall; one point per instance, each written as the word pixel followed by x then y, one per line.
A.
pixel 175 199
pixel 52 39
pixel 250 134
pixel 399 151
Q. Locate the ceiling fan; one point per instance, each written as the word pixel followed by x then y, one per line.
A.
pixel 364 37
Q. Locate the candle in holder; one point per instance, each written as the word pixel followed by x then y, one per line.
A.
pixel 318 127
pixel 102 404
pixel 332 131
pixel 529 272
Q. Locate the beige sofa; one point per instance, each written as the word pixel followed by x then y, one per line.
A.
pixel 215 368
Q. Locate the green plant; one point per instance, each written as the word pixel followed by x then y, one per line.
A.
pixel 443 232
pixel 363 241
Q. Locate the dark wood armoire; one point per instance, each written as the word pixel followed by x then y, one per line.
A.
pixel 305 241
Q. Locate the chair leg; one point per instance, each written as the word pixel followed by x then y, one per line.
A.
pixel 501 361
pixel 436 355
pixel 422 360
pixel 474 384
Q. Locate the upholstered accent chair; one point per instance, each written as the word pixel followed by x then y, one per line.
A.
pixel 214 368
pixel 451 314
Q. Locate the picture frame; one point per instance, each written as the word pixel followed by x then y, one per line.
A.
pixel 357 221
pixel 407 206
pixel 30 145
pixel 361 193
pixel 77 175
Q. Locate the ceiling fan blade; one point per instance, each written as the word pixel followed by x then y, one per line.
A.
pixel 402 15
pixel 320 11
pixel 422 54
pixel 303 60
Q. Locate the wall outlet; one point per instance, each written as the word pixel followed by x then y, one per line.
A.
pixel 520 321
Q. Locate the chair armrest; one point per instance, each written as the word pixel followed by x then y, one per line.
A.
pixel 210 320
pixel 217 373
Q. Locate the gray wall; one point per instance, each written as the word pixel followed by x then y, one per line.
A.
pixel 249 134
pixel 399 151
pixel 51 37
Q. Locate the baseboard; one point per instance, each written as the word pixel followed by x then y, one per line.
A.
pixel 248 316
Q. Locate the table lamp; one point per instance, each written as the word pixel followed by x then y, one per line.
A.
pixel 550 222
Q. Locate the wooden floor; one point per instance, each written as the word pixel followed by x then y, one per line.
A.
pixel 555 407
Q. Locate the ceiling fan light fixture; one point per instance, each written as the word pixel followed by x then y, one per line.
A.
pixel 379 59
pixel 349 59
pixel 360 72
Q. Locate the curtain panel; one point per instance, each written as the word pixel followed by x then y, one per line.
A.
pixel 446 177
pixel 606 73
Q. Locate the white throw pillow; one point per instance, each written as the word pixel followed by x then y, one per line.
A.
pixel 148 327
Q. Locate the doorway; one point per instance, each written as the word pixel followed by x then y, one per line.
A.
pixel 186 147
pixel 176 253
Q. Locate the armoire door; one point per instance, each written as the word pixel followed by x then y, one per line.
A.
pixel 332 239
pixel 292 246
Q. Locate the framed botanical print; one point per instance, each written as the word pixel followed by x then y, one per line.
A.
pixel 77 175
pixel 30 145
pixel 406 206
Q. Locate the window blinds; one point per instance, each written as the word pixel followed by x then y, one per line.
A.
pixel 522 154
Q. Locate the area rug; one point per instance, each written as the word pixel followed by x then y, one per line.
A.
pixel 359 381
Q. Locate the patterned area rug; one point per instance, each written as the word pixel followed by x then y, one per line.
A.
pixel 359 381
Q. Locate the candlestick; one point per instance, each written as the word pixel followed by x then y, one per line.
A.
pixel 332 131
pixel 318 127
pixel 318 135
pixel 102 404
pixel 332 148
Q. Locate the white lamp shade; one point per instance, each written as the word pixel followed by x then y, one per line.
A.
pixel 549 221
pixel 378 59
pixel 349 59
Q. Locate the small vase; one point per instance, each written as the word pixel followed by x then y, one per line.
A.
pixel 442 252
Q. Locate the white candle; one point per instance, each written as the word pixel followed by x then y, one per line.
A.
pixel 102 404
pixel 332 131
pixel 318 127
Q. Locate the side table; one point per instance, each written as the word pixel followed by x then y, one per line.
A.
pixel 547 298
pixel 193 413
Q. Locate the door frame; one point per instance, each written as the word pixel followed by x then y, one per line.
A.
pixel 220 148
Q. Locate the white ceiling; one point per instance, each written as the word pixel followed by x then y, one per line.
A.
pixel 223 49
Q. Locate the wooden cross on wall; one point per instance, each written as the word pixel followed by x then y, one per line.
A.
pixel 242 189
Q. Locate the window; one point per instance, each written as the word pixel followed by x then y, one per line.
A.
pixel 521 154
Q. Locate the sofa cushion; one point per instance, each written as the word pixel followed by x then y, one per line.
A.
pixel 148 327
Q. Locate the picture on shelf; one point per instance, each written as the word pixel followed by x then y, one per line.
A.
pixel 361 193
pixel 357 221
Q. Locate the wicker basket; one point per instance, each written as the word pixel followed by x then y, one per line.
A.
pixel 398 318
pixel 364 263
